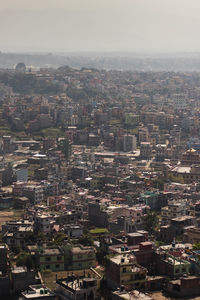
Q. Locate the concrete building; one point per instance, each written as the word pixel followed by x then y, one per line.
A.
pixel 44 223
pixel 184 287
pixel 173 210
pixel 131 295
pixel 50 259
pixel 72 288
pixel 124 270
pixel 37 292
pixel 145 150
pixel 79 257
pixel 179 101
pixel 3 259
pixel 129 143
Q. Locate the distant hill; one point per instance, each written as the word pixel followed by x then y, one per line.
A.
pixel 184 62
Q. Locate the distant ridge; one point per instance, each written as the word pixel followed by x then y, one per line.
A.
pixel 177 62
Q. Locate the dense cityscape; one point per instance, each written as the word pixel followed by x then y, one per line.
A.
pixel 99 176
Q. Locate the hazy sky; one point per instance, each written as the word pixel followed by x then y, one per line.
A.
pixel 100 25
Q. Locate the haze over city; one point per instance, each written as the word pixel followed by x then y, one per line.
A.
pixel 106 25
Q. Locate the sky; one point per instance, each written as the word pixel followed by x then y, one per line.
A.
pixel 99 25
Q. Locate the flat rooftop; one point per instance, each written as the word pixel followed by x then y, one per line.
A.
pixel 38 291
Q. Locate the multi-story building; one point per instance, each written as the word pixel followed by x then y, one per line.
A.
pixel 50 259
pixel 44 222
pixel 173 210
pixel 145 150
pixel 35 193
pixel 129 143
pixel 190 157
pixel 143 134
pixel 124 270
pixel 79 257
pixel 17 237
pixel 179 101
pixel 3 258
pixel 170 265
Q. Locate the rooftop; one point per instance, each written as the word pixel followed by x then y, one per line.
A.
pixel 133 295
pixel 124 259
pixel 50 251
pixel 38 291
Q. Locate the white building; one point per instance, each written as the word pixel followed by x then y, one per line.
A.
pixel 179 101
pixel 129 143
pixel 173 210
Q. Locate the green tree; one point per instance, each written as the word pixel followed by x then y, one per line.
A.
pixel 86 240
pixel 173 178
pixel 59 238
pixel 24 259
pixel 196 246
pixel 151 222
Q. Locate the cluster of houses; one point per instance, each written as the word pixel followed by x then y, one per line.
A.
pixel 103 183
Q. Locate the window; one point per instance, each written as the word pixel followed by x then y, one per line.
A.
pixel 59 257
pixel 177 270
pixel 124 270
pixel 47 267
pixel 137 284
pixel 47 258
pixel 57 266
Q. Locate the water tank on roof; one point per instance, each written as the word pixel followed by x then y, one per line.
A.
pixel 89 282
